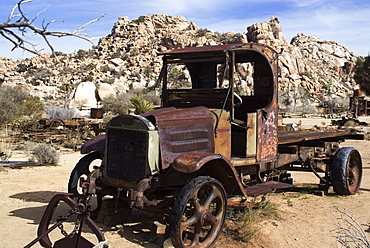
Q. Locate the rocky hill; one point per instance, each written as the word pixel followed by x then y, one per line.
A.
pixel 127 59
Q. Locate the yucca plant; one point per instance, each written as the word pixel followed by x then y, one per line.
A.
pixel 140 104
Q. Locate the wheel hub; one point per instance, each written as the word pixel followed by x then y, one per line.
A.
pixel 208 219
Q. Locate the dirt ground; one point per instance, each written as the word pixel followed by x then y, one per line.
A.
pixel 305 220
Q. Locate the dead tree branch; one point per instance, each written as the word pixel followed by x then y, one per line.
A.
pixel 15 29
pixel 349 232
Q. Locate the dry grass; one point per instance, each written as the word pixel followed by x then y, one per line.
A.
pixel 242 224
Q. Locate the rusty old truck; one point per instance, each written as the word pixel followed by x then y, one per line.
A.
pixel 214 137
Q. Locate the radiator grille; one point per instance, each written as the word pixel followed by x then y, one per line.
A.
pixel 127 155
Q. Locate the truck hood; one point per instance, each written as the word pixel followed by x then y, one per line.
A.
pixel 182 130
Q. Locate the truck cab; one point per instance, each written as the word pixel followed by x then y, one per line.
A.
pixel 238 84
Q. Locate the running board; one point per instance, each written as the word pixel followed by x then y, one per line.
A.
pixel 267 187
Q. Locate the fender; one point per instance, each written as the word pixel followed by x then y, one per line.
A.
pixel 213 165
pixel 96 143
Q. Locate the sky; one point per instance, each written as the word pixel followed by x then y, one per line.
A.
pixel 346 22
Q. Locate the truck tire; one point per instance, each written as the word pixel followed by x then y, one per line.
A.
pixel 198 213
pixel 346 171
pixel 81 168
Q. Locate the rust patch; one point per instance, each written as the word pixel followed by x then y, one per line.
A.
pixel 192 161
pixel 182 131
pixel 268 136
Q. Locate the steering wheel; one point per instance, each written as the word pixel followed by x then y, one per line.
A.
pixel 239 102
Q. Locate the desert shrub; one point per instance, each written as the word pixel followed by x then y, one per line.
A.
pixel 72 143
pixel 148 71
pixel 88 67
pixel 87 78
pixel 201 32
pixel 135 73
pixel 41 74
pixel 58 113
pixel 350 123
pixel 81 54
pixel 107 118
pixel 134 52
pixel 140 19
pixel 124 56
pixel 151 96
pixel 67 87
pixel 67 70
pixel 11 99
pixel 177 78
pixel 91 66
pixel 362 71
pixel 116 54
pixel 16 103
pixel 225 39
pixel 45 154
pixel 38 74
pixel 34 109
pixel 22 68
pixel 59 53
pixel 117 105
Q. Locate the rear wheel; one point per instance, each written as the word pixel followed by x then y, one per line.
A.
pixel 346 171
pixel 198 213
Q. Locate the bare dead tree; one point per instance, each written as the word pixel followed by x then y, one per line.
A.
pixel 349 232
pixel 15 29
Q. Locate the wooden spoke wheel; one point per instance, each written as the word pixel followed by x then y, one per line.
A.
pixel 198 213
